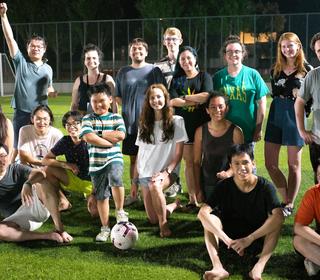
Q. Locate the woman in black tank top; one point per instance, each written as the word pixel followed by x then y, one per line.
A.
pixel 212 143
pixel 92 57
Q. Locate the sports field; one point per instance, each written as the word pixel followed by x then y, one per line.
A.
pixel 182 256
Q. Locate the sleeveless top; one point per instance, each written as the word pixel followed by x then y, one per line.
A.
pixel 215 152
pixel 84 98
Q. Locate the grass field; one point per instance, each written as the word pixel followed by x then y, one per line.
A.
pixel 183 256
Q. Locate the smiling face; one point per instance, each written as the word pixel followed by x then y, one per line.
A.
pixel 156 99
pixel 138 53
pixel 187 61
pixel 289 49
pixel 172 43
pixel 242 166
pixel 217 108
pixel 41 121
pixel 233 54
pixel 317 48
pixel 100 103
pixel 91 60
pixel 73 127
pixel 36 50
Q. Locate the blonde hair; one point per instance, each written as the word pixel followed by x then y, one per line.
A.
pixel 172 31
pixel 281 60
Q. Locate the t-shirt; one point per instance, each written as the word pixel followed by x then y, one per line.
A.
pixel 31 84
pixel 10 188
pixel 194 116
pixel 242 213
pixel 131 86
pixel 100 157
pixel 309 207
pixel 38 146
pixel 167 68
pixel 310 88
pixel 74 153
pixel 156 157
pixel 244 91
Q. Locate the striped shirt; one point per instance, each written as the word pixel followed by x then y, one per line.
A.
pixel 100 157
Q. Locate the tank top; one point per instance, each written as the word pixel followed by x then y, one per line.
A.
pixel 215 154
pixel 84 98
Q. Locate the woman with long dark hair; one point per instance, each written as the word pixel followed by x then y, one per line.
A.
pixel 189 92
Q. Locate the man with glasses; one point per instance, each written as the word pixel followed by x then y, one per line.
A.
pixel 21 184
pixel 172 39
pixel 33 76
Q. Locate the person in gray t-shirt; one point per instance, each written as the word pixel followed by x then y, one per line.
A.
pixel 33 82
pixel 310 89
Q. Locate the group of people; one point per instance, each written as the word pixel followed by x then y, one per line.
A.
pixel 170 110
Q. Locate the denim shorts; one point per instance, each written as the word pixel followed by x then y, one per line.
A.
pixel 144 182
pixel 109 177
pixel 20 119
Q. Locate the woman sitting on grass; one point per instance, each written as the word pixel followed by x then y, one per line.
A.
pixel 160 139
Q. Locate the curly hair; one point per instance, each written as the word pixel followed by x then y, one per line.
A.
pixel 147 118
pixel 88 48
pixel 281 60
pixel 233 39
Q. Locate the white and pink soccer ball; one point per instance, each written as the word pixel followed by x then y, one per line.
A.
pixel 124 235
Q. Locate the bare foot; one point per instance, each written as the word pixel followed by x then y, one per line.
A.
pixel 216 274
pixel 256 273
pixel 55 237
pixel 165 231
pixel 64 205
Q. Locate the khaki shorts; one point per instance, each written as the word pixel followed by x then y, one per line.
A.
pixel 30 217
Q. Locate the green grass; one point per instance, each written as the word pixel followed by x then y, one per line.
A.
pixel 183 256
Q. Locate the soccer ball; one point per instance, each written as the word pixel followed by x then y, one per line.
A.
pixel 124 235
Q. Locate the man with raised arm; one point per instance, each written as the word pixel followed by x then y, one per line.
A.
pixel 33 81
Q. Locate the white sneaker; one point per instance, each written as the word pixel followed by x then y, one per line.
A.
pixel 122 216
pixel 311 268
pixel 103 235
pixel 173 190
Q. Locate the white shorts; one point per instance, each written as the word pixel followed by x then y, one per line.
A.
pixel 30 217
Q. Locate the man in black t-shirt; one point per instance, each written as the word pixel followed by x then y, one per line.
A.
pixel 20 184
pixel 243 210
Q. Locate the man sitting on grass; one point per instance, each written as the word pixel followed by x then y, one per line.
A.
pixel 22 220
pixel 307 240
pixel 72 174
pixel 244 213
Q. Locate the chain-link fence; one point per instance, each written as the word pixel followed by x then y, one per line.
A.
pixel 206 34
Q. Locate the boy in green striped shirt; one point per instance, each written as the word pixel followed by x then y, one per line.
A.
pixel 103 131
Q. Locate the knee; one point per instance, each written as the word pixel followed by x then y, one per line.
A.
pixel 271 167
pixel 294 167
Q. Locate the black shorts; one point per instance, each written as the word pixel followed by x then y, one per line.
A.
pixel 129 146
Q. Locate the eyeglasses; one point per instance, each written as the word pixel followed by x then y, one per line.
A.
pixel 74 124
pixel 231 52
pixel 3 155
pixel 173 39
pixel 34 47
